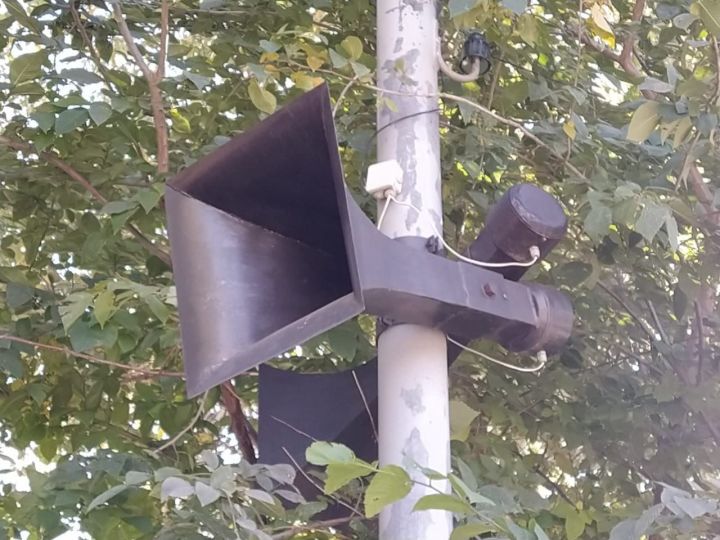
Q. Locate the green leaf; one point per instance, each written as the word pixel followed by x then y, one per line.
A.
pixel 325 453
pixel 261 98
pixel 84 336
pixel 158 309
pixel 709 12
pixel 104 307
pixel 625 530
pixel 149 198
pixel 164 473
pixel 74 309
pixel 105 497
pixel 70 119
pixel 338 60
pixel 644 121
pixel 441 501
pixel 210 459
pixel 528 28
pixel 597 223
pixel 460 7
pixel 651 219
pixel 118 221
pixel 18 13
pixel 118 207
pixel 27 67
pixel 539 533
pixel 696 507
pixel 343 340
pixel 134 478
pixel 175 487
pixel 340 474
pixel 17 295
pixel 260 495
pixel 206 494
pixel 656 85
pixel 461 417
pixel 82 76
pixel 10 363
pixel 45 120
pixel 100 112
pixel 574 525
pixel 48 448
pixel 352 46
pixel 470 530
pixel 390 484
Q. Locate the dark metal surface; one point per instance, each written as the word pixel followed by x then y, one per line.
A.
pixel 270 250
pixel 336 412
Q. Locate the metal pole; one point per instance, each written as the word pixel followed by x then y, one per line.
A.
pixel 412 360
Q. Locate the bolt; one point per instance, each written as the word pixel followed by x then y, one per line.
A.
pixel 489 290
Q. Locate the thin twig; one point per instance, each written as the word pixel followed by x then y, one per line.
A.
pixel 240 425
pixel 556 487
pixel 641 322
pixel 659 325
pixel 342 95
pixel 364 400
pixel 130 42
pixel 156 99
pixel 296 430
pixel 701 344
pixel 164 30
pixel 317 486
pixel 517 125
pixel 88 43
pixel 494 83
pixel 176 438
pixel 55 161
pixel 459 99
pixel 93 359
pixel 295 529
pixel 75 175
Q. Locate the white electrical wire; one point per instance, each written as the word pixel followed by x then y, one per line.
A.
pixel 384 212
pixel 459 77
pixel 542 358
pixel 534 250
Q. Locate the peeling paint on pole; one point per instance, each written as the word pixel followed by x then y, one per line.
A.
pixel 408 113
pixel 412 360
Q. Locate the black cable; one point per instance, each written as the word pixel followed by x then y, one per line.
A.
pixel 397 120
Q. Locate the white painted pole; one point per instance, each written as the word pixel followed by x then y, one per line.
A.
pixel 412 360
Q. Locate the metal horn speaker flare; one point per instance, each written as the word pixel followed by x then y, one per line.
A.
pixel 269 250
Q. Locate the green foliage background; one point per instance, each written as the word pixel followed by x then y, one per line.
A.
pixel 612 107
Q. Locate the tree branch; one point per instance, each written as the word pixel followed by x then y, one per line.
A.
pixel 157 451
pixel 626 56
pixel 244 432
pixel 557 488
pixel 641 322
pixel 314 526
pixel 55 161
pixel 164 30
pixel 93 359
pixel 625 60
pixel 88 42
pixel 156 100
pixel 517 125
pixel 459 99
pixel 701 344
pixel 74 174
